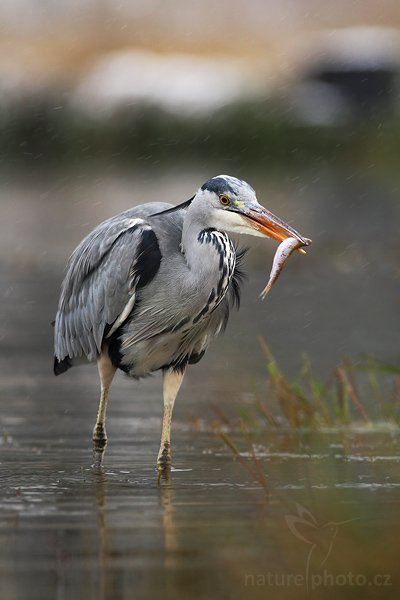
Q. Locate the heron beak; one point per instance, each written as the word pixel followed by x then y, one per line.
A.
pixel 265 222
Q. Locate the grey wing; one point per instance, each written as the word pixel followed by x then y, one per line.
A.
pixel 103 273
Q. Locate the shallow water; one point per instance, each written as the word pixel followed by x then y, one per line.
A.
pixel 326 509
pixel 212 530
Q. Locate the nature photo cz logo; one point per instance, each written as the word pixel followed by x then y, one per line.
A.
pixel 319 538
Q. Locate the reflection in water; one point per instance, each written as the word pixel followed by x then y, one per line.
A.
pixel 106 578
pixel 172 549
pixel 168 521
pixel 105 573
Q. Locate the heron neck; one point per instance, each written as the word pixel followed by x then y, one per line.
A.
pixel 196 255
pixel 206 251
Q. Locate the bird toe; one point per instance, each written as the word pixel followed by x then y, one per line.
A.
pixel 164 457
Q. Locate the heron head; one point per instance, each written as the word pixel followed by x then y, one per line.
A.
pixel 231 205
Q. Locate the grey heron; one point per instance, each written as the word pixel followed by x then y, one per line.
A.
pixel 149 288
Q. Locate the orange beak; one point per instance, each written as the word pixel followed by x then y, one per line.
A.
pixel 264 221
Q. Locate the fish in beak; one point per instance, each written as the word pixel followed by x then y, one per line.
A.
pixel 263 221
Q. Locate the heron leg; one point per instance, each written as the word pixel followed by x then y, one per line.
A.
pixel 171 383
pixel 106 372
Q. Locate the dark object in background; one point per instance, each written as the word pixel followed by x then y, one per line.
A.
pixel 349 74
pixel 368 91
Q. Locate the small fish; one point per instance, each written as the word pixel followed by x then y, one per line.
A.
pixel 282 253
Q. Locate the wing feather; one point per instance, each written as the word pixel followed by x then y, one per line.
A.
pixel 98 290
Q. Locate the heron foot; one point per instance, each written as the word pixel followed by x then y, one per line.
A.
pixel 97 464
pixel 164 457
pixel 99 445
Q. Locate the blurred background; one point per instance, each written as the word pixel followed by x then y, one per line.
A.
pixel 105 106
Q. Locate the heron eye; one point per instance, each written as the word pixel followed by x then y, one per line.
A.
pixel 224 200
